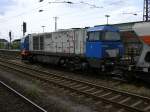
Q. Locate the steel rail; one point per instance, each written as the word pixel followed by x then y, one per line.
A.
pixel 78 91
pixel 23 97
pixel 78 81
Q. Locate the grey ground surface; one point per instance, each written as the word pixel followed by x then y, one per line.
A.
pixel 10 102
pixel 49 97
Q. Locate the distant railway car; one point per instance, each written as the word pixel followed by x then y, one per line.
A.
pixel 139 66
pixel 95 47
pixel 143 32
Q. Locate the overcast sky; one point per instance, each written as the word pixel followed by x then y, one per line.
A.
pixel 81 13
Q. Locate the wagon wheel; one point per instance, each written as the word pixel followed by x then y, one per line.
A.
pixel 129 75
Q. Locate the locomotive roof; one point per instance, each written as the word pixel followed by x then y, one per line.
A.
pixel 60 30
pixel 103 28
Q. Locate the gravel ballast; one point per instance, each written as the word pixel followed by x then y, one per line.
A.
pixel 47 96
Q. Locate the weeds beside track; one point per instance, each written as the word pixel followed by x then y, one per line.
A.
pixel 123 101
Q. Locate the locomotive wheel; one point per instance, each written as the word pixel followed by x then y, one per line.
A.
pixel 62 62
pixel 84 66
pixel 129 75
pixel 71 66
pixel 30 58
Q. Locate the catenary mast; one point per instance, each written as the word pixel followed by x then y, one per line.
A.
pixel 146 13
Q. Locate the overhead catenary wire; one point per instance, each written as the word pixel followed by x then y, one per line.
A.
pixel 35 9
pixel 86 6
pixel 73 3
pixel 22 14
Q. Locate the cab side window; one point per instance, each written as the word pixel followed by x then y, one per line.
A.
pixel 147 57
pixel 94 36
pixel 91 36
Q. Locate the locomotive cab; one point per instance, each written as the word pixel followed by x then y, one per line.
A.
pixel 103 46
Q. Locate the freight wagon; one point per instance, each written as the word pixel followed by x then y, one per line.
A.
pixel 138 65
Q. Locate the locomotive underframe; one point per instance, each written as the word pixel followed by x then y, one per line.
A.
pixel 71 61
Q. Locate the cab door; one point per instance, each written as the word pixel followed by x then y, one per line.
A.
pixel 93 49
pixel 93 45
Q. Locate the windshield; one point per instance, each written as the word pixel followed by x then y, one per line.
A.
pixel 94 35
pixel 22 40
pixel 111 36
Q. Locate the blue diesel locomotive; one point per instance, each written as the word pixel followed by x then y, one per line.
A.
pixel 96 47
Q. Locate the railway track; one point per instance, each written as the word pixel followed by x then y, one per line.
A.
pixel 31 104
pixel 120 100
pixel 15 57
